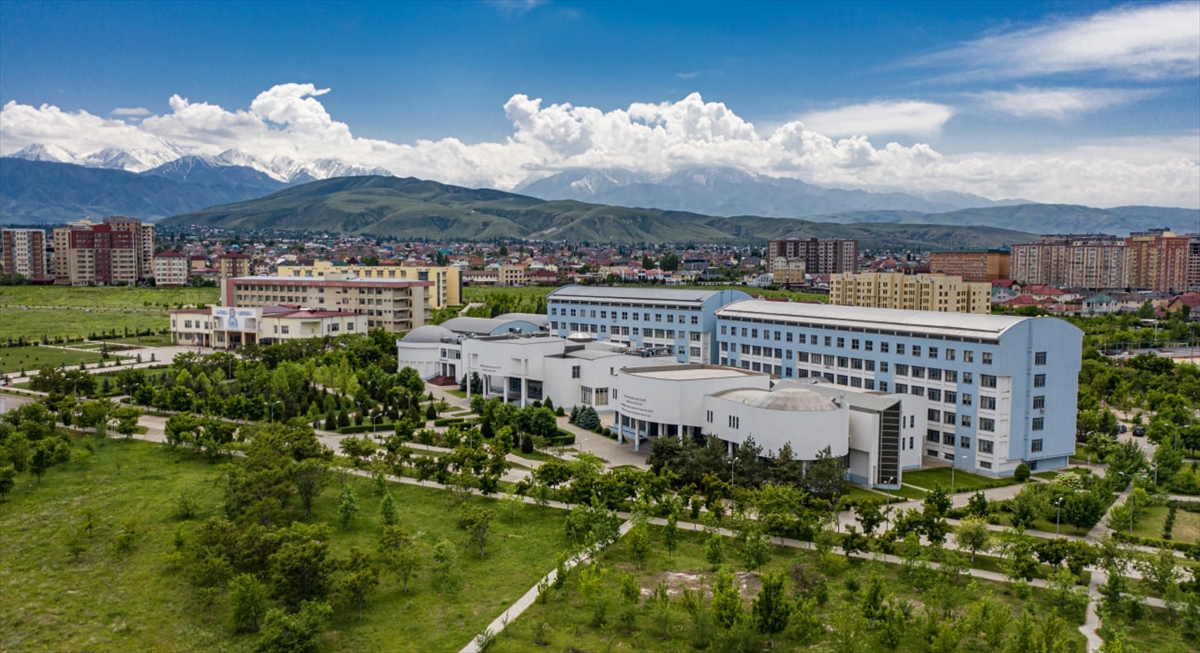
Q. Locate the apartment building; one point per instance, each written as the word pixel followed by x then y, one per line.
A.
pixel 1000 390
pixel 988 265
pixel 119 250
pixel 1094 261
pixel 447 280
pixel 1158 260
pixel 170 268
pixel 788 272
pixel 393 305
pixel 918 292
pixel 231 265
pixel 142 236
pixel 820 256
pixel 24 252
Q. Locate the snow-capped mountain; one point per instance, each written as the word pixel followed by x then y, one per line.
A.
pixel 170 161
pixel 211 171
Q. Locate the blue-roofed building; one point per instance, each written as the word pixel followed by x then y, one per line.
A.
pixel 1000 390
pixel 642 318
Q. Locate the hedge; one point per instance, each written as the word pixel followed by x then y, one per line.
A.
pixel 366 428
pixel 1183 547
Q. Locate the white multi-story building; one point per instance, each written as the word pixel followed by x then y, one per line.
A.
pixel 170 268
pixel 225 327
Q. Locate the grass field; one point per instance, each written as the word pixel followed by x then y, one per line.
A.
pixel 130 602
pixel 963 481
pixel 34 323
pixel 568 619
pixel 1150 524
pixel 14 359
pixel 106 296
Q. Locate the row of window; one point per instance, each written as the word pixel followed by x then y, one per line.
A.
pixel 625 315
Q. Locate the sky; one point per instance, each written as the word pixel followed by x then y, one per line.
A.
pixel 1093 103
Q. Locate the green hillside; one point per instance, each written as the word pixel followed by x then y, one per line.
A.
pixel 413 208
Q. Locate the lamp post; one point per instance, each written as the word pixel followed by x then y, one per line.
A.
pixel 1058 516
pixel 374 419
pixel 732 462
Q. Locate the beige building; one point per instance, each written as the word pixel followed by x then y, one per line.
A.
pixel 170 268
pixel 87 253
pixel 820 256
pixel 24 252
pixel 1095 261
pixel 447 281
pixel 142 235
pixel 512 275
pixel 390 304
pixel 987 265
pixel 1158 260
pixel 787 272
pixel 920 292
pixel 227 327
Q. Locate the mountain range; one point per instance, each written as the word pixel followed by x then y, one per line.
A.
pixel 415 208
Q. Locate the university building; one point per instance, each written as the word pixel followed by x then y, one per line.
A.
pixel 393 305
pixel 225 327
pixel 447 280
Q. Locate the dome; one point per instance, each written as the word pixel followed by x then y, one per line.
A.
pixel 430 333
pixel 795 399
pixel 580 336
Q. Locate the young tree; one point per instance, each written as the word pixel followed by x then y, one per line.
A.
pixel 399 554
pixel 387 510
pixel 347 506
pixel 247 603
pixel 300 568
pixel 127 420
pixel 478 524
pixel 446 571
pixel 671 533
pixel 310 476
pixel 973 535
pixel 638 541
pixel 714 550
pixel 8 479
pixel 359 579
pixel 727 600
pixel 771 608
pixel 285 632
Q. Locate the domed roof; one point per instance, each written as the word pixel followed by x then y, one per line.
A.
pixel 580 336
pixel 430 333
pixel 795 399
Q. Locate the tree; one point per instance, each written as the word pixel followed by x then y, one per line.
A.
pixel 727 600
pixel 127 420
pixel 387 510
pixel 445 568
pixel 300 568
pixel 285 632
pixel 347 506
pixel 977 505
pixel 771 608
pixel 40 462
pixel 671 533
pixel 8 479
pixel 756 552
pixel 310 476
pixel 478 523
pixel 638 541
pixel 973 535
pixel 247 603
pixel 714 550
pixel 826 476
pixel 399 554
pixel 359 579
pixel 1021 473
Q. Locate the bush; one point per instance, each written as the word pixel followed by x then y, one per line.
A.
pixel 449 421
pixel 1021 473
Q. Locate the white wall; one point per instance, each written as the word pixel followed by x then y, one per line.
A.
pixel 807 431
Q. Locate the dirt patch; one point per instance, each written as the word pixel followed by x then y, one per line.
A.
pixel 748 583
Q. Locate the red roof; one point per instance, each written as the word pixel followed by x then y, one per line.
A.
pixel 1023 300
pixel 1041 290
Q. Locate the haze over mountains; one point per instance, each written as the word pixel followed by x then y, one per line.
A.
pixel 44 183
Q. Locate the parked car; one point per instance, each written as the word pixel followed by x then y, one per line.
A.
pixel 1139 431
pixel 1122 428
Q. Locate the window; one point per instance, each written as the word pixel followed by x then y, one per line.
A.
pixel 949 417
pixel 856 364
pixel 901 388
pixel 965 420
pixel 951 376
pixel 931 452
pixel 986 424
pixel 900 348
pixel 285 329
pixel 986 446
pixel 935 374
pixel 966 399
pixel 901 369
pixel 734 422
pixel 1035 445
pixel 949 354
pixel 842 379
pixel 987 403
pixel 883 366
pixel 869 384
pixel 753 333
pixel 855 382
pixel 828 341
pixel 812 340
pixel 709 415
pixel 883 386
pixel 987 381
pixel 948 438
pixel 934 415
pixel 985 464
pixel 695 320
pixel 802 356
pixel 1039 402
pixel 883 347
pixel 1039 380
pixel 951 397
pixel 968 356
pixel 933 352
pixel 968 378
pixel 933 436
pixel 869 345
pixel 854 343
pixel 916 349
pixel 723 330
pixel 1039 424
pixel 917 390
pixel 987 358
pixel 789 336
pixel 964 442
pixel 1039 358
pixel 935 394
pixel 918 372
pixel 843 361
pixel 870 365
pixel 841 343
pixel 575 372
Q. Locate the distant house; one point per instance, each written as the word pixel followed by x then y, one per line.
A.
pixel 1189 299
pixel 1043 293
pixel 1002 294
pixel 1099 304
pixel 1022 301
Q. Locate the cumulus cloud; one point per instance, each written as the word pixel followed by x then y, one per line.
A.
pixel 1136 41
pixel 288 124
pixel 904 117
pixel 1058 103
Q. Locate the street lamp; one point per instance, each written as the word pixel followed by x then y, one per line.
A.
pixel 1058 516
pixel 732 462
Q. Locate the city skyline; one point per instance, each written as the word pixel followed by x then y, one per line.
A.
pixel 1087 103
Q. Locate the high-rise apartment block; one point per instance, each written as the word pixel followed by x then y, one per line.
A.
pixel 988 265
pixel 24 252
pixel 119 250
pixel 1077 260
pixel 820 256
pixel 1158 260
pixel 916 292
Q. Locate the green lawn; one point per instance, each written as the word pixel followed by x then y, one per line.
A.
pixel 1151 520
pixel 34 323
pixel 13 359
pixel 130 602
pixel 963 481
pixel 566 622
pixel 156 340
pixel 106 296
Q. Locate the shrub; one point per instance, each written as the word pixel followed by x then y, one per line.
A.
pixel 1021 473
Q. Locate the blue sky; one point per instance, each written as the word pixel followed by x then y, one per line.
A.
pixel 967 90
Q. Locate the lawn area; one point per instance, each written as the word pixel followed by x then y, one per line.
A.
pixel 566 622
pixel 34 323
pixel 860 494
pixel 14 359
pixel 106 296
pixel 1151 520
pixel 906 493
pixel 156 340
pixel 131 602
pixel 963 481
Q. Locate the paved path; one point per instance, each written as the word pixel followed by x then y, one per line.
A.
pixel 1091 619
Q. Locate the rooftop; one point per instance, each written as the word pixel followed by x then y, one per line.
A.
pixel 855 398
pixel 961 325
pixel 690 372
pixel 593 293
pixel 321 281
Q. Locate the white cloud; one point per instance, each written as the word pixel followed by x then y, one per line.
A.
pixel 903 117
pixel 289 121
pixel 134 112
pixel 1058 103
pixel 1136 41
